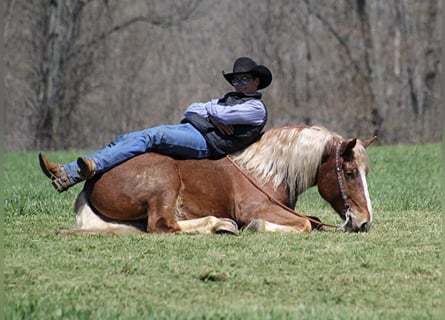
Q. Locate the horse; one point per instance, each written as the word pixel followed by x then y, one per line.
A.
pixel 254 189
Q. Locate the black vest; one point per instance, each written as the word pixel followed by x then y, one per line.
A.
pixel 219 143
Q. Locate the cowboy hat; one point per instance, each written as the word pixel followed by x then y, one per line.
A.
pixel 247 65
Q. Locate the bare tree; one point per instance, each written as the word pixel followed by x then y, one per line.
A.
pixel 64 40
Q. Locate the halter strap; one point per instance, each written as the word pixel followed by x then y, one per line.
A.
pixel 340 179
pixel 341 184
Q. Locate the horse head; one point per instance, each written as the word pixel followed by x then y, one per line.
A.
pixel 342 182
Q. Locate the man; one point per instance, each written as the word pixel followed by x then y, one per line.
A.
pixel 209 130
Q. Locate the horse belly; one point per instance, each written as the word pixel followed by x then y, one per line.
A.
pixel 206 190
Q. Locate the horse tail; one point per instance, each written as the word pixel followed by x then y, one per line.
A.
pixel 88 222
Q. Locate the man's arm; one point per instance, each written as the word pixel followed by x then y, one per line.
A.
pixel 226 129
pixel 250 112
pixel 199 108
pixel 223 118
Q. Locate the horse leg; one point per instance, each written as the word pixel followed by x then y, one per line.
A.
pixel 89 223
pixel 209 225
pixel 161 208
pixel 261 225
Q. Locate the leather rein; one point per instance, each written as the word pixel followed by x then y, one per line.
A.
pixel 341 184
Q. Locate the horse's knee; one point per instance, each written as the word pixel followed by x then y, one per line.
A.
pixel 162 225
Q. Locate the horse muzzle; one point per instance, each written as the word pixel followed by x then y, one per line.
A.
pixel 354 224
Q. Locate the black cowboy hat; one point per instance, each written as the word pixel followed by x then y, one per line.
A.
pixel 247 65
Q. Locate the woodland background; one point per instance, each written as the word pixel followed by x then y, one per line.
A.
pixel 80 72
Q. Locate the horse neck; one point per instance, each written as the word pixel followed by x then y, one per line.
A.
pixel 288 156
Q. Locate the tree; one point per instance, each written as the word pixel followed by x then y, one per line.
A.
pixel 63 41
pixel 100 68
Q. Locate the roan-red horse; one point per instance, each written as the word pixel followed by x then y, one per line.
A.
pixel 254 188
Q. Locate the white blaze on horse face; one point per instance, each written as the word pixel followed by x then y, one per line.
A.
pixel 365 190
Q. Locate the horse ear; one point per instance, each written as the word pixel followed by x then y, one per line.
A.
pixel 347 147
pixel 368 141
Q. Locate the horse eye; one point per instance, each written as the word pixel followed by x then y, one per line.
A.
pixel 349 174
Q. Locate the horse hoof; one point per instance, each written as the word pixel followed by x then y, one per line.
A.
pixel 256 225
pixel 226 226
pixel 314 223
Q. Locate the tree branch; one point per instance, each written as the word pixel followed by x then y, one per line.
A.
pixel 339 38
pixel 153 19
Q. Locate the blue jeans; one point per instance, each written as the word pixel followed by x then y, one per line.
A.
pixel 181 140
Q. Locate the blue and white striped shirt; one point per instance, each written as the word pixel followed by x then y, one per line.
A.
pixel 251 112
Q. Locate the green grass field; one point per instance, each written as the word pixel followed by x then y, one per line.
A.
pixel 392 272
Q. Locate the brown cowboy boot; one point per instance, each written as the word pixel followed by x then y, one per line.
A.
pixel 56 173
pixel 87 168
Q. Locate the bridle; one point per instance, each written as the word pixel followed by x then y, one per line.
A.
pixel 341 184
pixel 340 179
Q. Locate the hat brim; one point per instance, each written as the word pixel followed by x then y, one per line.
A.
pixel 259 71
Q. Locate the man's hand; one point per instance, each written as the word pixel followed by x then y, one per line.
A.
pixel 224 129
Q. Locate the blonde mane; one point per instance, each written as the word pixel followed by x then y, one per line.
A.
pixel 289 155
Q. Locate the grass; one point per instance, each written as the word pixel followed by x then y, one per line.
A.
pixel 392 272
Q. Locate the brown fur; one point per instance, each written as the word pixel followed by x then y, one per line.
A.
pixel 286 161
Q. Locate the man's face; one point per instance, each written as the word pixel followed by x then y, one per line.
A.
pixel 245 83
